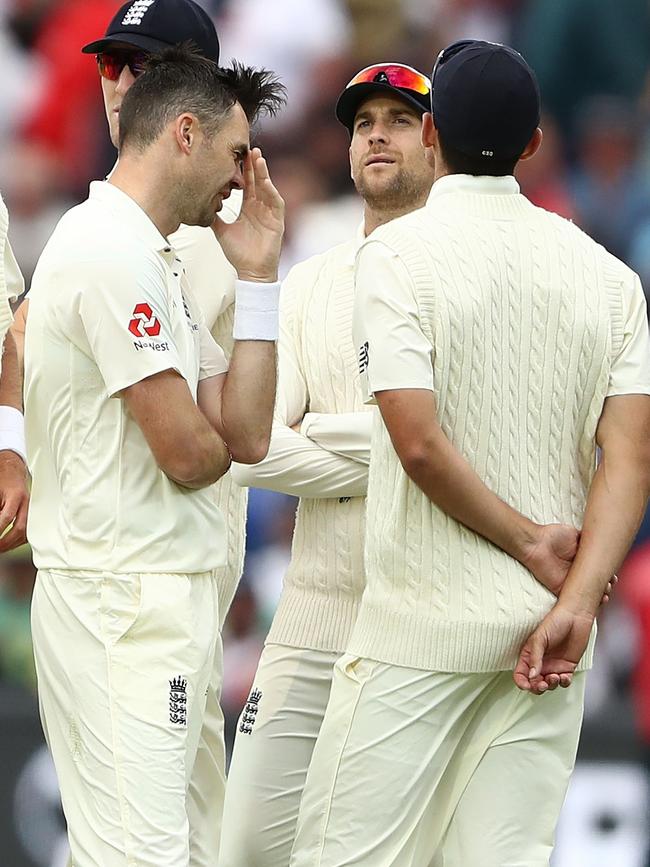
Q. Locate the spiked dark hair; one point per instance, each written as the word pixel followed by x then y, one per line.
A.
pixel 179 79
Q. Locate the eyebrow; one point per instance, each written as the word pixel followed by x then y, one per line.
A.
pixel 367 114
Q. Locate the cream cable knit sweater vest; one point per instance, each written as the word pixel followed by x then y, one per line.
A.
pixel 524 313
pixel 325 580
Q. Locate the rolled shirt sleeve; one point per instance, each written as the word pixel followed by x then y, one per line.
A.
pixel 393 351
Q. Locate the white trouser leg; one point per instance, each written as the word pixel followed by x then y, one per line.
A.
pixel 123 663
pixel 506 817
pixel 398 748
pixel 273 747
pixel 205 796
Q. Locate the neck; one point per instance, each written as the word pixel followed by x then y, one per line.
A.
pixel 148 189
pixel 373 216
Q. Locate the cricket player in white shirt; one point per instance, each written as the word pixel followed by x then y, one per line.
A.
pixel 121 53
pixel 129 406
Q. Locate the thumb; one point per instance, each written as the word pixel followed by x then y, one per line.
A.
pixel 535 647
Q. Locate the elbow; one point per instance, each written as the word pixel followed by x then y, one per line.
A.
pixel 252 451
pixel 415 461
pixel 192 474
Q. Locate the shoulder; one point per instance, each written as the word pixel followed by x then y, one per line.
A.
pixel 305 274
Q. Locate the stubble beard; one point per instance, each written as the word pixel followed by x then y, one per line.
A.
pixel 401 192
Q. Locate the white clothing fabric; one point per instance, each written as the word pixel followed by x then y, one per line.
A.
pixel 110 306
pixel 427 769
pixel 123 664
pixel 273 747
pixel 522 326
pixel 326 464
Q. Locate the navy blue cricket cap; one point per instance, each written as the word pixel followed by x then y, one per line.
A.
pixel 484 99
pixel 153 25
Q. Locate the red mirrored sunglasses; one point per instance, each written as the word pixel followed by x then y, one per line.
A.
pixel 395 74
pixel 111 63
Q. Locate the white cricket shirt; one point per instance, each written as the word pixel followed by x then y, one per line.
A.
pixel 110 306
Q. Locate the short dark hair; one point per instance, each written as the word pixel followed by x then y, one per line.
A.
pixel 459 163
pixel 180 79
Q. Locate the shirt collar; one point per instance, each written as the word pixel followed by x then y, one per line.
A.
pixel 476 184
pixel 132 216
pixel 359 238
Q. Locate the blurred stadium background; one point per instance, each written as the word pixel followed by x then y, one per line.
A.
pixel 592 58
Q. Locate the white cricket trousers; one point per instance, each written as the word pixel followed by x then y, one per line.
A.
pixel 125 665
pixel 273 747
pixel 426 769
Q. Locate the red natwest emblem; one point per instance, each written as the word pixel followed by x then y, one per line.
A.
pixel 144 322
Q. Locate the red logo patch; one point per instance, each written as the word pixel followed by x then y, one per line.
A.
pixel 144 322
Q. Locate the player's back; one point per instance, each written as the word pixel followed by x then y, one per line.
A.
pixel 525 316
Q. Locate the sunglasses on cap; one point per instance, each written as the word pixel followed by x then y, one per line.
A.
pixel 394 74
pixel 111 63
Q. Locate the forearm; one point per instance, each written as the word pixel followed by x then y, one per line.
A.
pixel 615 507
pixel 449 481
pixel 295 465
pixel 208 461
pixel 10 376
pixel 17 330
pixel 248 399
pixel 347 433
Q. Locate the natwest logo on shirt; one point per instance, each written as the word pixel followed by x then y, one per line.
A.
pixel 144 322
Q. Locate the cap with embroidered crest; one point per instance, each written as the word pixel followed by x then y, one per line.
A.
pixel 152 25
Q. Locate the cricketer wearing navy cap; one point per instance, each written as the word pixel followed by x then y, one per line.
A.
pixel 485 103
pixel 156 24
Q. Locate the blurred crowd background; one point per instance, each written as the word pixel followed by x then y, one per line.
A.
pixel 592 58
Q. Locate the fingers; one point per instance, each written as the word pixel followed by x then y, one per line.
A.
pixel 265 189
pixel 248 173
pixel 17 535
pixel 521 674
pixel 11 504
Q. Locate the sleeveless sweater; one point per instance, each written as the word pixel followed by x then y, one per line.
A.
pixel 523 312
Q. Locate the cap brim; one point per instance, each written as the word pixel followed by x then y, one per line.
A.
pixel 147 43
pixel 352 97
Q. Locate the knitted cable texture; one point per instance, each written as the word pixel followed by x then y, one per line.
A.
pixel 522 311
pixel 325 579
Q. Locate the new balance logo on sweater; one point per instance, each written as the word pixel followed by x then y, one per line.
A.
pixel 364 353
pixel 136 12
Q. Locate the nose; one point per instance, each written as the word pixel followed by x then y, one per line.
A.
pixel 378 134
pixel 125 81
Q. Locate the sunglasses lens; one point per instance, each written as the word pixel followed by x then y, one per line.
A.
pixel 111 64
pixel 394 74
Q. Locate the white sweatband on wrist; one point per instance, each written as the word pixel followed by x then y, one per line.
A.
pixel 12 431
pixel 256 311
